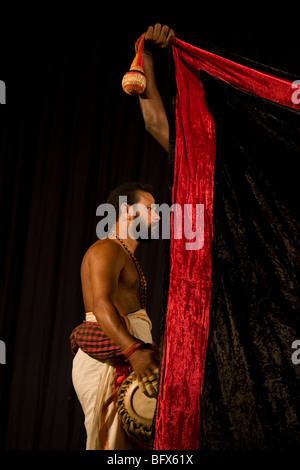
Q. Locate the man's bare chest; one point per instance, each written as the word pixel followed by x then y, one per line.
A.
pixel 129 277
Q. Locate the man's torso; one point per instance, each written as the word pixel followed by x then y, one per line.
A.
pixel 125 299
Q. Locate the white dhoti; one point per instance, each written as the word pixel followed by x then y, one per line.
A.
pixel 93 382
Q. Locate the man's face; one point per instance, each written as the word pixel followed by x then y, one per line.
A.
pixel 148 218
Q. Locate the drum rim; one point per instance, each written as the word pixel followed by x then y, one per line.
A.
pixel 142 432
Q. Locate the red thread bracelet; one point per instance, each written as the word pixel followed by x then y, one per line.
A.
pixel 131 349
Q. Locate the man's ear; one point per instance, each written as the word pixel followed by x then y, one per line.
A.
pixel 125 210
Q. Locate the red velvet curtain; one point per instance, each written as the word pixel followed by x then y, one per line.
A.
pixel 177 425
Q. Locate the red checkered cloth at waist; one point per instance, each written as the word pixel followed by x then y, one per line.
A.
pixel 89 337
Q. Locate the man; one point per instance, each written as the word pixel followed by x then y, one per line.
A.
pixel 111 286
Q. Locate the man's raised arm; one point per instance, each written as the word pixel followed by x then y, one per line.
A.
pixel 152 107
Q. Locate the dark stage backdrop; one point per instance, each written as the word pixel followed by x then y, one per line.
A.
pixel 254 309
pixel 69 134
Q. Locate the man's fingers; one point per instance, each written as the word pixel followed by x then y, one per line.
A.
pixel 164 33
pixel 152 377
pixel 149 375
pixel 156 32
pixel 149 384
pixel 170 37
pixel 149 34
pixel 150 390
pixel 161 36
pixel 142 386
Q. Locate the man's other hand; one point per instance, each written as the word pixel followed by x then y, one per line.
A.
pixel 145 365
pixel 144 362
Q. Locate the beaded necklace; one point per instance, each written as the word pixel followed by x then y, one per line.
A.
pixel 142 291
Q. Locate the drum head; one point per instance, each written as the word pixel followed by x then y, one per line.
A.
pixel 135 409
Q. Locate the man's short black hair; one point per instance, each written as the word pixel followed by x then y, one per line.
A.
pixel 129 190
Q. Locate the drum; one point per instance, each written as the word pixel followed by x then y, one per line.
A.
pixel 136 409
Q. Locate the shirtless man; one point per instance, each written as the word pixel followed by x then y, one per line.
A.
pixel 110 284
pixel 110 280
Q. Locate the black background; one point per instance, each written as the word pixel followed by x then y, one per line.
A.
pixel 69 134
